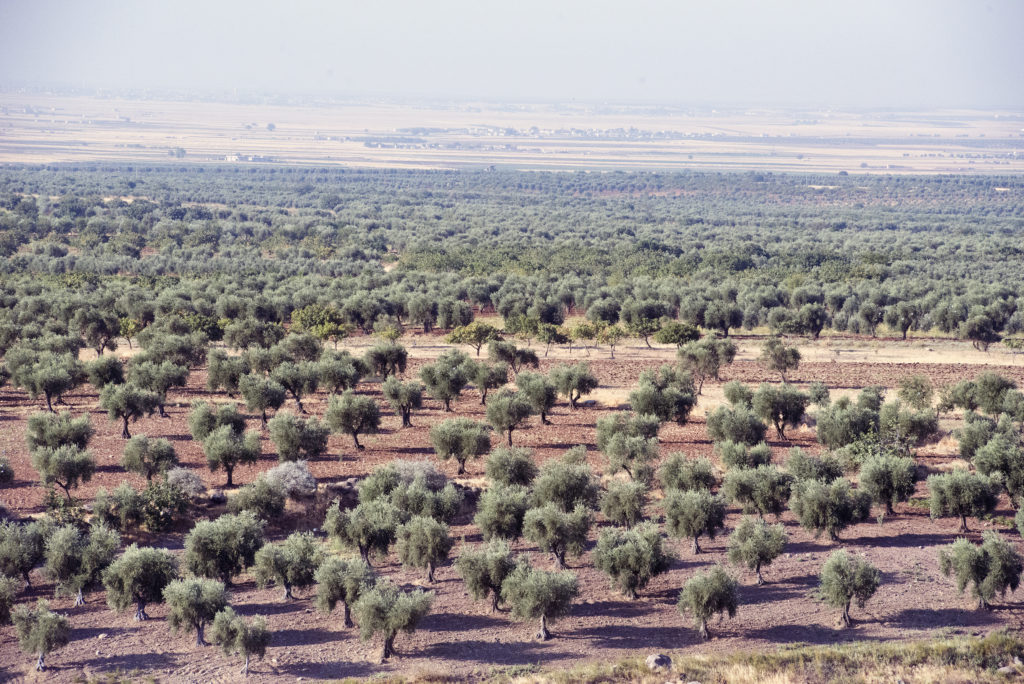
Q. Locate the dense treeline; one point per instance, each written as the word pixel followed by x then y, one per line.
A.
pixel 798 253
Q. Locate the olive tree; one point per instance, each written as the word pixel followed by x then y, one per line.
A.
pixel 387 610
pixel 487 377
pixel 423 543
pixel 888 479
pixel 158 378
pixel 40 631
pixel 631 558
pixel 138 576
pixel 261 394
pixel 755 544
pixel 76 560
pixel 57 429
pixel 297 438
pixel 678 472
pixel 387 358
pixel 707 593
pixel 781 406
pixel 353 415
pixel 566 483
pixel 445 378
pixel 403 397
pixel 705 358
pixel 460 439
pixel 735 423
pixel 344 580
pixel 517 358
pixel 557 532
pixel 829 508
pixel 501 510
pixel 300 379
pixel 370 527
pixel 574 382
pixel 224 448
pixel 148 457
pixel 485 569
pixel 778 358
pixel 961 493
pixel 990 568
pixel 290 564
pixel 234 634
pixel 511 466
pixel 764 489
pixel 538 594
pixel 845 579
pixel 507 410
pixel 539 391
pixel 690 514
pixel 222 548
pixel 65 466
pixel 193 603
pixel 225 372
pixel 623 502
pixel 127 402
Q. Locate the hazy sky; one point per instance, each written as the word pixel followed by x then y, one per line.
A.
pixel 867 53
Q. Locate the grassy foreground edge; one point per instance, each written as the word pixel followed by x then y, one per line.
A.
pixel 956 659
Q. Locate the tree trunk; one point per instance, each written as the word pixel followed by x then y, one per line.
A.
pixel 39 662
pixel 365 553
pixel 963 524
pixel 510 436
pixel 124 431
pixel 49 403
pixel 298 402
pixel 430 572
pixel 406 417
pixel 288 591
pixel 263 419
pixel 560 559
pixel 703 629
pixel 140 611
pixel 696 546
pixel 495 597
pixel 200 641
pixel 79 599
pixel 355 438
pixel 760 580
pixel 543 634
pixel 348 616
pixel 245 669
pixel 846 615
pixel 389 648
pixel 544 418
pixel 462 468
pixel 230 471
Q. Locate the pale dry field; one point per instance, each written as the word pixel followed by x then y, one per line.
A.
pixel 38 128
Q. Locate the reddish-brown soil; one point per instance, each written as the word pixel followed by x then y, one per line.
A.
pixel 461 638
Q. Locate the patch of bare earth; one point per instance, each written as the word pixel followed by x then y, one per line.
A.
pixel 460 638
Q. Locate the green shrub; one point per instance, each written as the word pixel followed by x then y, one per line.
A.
pixel 631 558
pixel 845 578
pixel 707 593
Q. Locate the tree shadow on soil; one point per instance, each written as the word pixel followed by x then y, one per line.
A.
pixel 630 636
pixel 305 637
pixel 334 671
pixel 457 622
pixel 143 662
pixel 507 653
pixel 931 618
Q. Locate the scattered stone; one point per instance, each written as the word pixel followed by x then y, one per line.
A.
pixel 97 652
pixel 1017 661
pixel 102 636
pixel 658 661
pixel 1007 670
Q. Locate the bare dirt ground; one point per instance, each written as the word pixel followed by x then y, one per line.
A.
pixel 46 128
pixel 460 638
